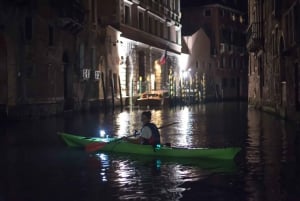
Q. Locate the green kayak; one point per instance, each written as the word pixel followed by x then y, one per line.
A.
pixel 123 146
pixel 81 141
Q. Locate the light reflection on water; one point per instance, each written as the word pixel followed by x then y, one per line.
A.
pixel 180 127
pixel 37 166
pixel 144 178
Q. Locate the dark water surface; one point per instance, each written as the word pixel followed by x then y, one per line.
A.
pixel 37 166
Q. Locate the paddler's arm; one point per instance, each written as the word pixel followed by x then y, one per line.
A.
pixel 133 140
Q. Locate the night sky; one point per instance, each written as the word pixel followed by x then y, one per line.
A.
pixel 237 4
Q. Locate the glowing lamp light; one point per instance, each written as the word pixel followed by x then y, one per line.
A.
pixel 185 74
pixel 102 133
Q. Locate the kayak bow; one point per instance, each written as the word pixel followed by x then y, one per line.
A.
pixel 81 141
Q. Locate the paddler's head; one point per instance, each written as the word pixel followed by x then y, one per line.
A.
pixel 146 117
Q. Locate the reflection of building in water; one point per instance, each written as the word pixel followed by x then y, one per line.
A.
pixel 129 121
pixel 185 128
pixel 265 152
pixel 253 156
pixel 126 122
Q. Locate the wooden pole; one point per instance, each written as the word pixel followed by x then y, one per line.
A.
pixel 103 88
pixel 112 92
pixel 120 91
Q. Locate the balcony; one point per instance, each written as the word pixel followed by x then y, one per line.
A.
pixel 70 15
pixel 255 37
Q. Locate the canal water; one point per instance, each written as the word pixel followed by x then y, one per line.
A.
pixel 37 166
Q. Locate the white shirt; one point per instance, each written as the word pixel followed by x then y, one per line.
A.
pixel 146 132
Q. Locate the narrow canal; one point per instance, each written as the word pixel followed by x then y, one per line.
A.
pixel 37 166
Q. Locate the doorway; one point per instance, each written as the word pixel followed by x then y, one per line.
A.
pixel 68 101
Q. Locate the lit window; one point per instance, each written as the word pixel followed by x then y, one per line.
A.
pixel 233 17
pixel 241 19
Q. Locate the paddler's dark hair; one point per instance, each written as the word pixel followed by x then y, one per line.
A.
pixel 147 114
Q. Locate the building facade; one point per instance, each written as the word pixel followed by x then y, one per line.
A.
pixel 147 30
pixel 77 55
pixel 199 67
pixel 225 26
pixel 273 45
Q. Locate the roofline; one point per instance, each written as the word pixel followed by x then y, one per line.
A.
pixel 222 6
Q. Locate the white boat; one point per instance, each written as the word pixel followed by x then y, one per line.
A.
pixel 156 98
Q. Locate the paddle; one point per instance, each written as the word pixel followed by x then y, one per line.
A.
pixel 95 146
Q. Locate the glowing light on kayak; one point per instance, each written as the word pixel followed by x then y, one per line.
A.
pixel 102 133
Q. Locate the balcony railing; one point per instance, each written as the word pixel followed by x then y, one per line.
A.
pixel 255 37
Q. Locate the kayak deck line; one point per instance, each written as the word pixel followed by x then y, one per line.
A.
pixel 119 145
pixel 79 141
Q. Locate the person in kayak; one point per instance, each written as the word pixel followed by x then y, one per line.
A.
pixel 149 134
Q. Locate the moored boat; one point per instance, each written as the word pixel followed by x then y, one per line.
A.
pixel 123 146
pixel 156 98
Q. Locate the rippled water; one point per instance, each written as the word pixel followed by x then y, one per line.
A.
pixel 36 165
